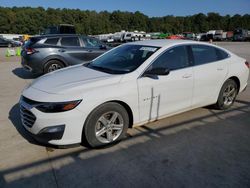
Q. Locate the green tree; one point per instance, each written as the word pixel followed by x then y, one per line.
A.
pixel 29 20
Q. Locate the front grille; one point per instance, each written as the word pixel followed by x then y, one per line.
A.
pixel 27 117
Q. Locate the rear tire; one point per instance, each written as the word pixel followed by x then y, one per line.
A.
pixel 106 125
pixel 53 65
pixel 227 96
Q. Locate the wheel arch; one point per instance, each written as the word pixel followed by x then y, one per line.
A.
pixel 237 81
pixel 128 109
pixel 122 103
pixel 51 58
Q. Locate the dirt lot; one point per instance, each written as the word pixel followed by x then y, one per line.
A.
pixel 200 148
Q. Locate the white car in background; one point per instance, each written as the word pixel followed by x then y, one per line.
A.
pixel 130 85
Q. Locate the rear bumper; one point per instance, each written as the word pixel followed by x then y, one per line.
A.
pixel 31 64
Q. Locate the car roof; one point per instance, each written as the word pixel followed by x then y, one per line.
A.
pixel 165 42
pixel 57 35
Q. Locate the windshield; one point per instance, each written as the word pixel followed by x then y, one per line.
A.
pixel 123 59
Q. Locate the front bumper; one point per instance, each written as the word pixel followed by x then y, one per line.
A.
pixel 50 133
pixel 45 137
pixel 60 129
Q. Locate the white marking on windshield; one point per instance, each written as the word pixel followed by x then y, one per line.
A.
pixel 150 49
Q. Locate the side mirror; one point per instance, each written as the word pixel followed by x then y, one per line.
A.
pixel 103 47
pixel 157 72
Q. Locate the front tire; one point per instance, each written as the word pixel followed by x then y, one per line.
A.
pixel 227 96
pixel 106 125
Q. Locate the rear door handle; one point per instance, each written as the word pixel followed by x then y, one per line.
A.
pixel 187 76
pixel 220 69
pixel 61 50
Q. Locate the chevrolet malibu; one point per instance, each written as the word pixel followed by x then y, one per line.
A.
pixel 130 85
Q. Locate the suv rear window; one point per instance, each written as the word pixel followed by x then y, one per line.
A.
pixel 70 41
pixel 32 41
pixel 52 41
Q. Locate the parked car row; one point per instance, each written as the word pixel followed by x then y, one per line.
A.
pixel 124 36
pixel 220 35
pixel 96 102
pixel 9 43
pixel 215 35
pixel 241 35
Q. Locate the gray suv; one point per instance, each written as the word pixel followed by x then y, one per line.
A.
pixel 46 53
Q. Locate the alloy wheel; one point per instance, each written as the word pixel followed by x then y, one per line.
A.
pixel 229 94
pixel 109 127
pixel 54 67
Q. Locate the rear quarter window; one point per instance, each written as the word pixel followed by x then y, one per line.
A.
pixel 91 42
pixel 221 54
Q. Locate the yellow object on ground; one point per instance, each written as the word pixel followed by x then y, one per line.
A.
pixel 18 51
pixel 7 54
pixel 10 52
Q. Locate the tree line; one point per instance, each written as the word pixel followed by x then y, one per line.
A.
pixel 27 20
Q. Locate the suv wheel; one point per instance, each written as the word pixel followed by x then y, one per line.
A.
pixel 52 66
pixel 106 125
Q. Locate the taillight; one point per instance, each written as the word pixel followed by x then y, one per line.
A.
pixel 30 51
pixel 247 64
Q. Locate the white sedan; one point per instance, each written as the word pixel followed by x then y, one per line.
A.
pixel 130 85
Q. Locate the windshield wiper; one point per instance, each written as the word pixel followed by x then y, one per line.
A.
pixel 102 69
pixel 86 64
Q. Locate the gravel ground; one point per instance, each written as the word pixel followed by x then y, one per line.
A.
pixel 199 148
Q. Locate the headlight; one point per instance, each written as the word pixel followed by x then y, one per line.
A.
pixel 57 107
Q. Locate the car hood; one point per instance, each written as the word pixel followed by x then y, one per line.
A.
pixel 72 79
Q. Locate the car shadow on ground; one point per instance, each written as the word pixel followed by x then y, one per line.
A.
pixel 212 153
pixel 24 74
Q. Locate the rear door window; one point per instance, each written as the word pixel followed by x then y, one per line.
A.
pixel 51 41
pixel 204 54
pixel 70 41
